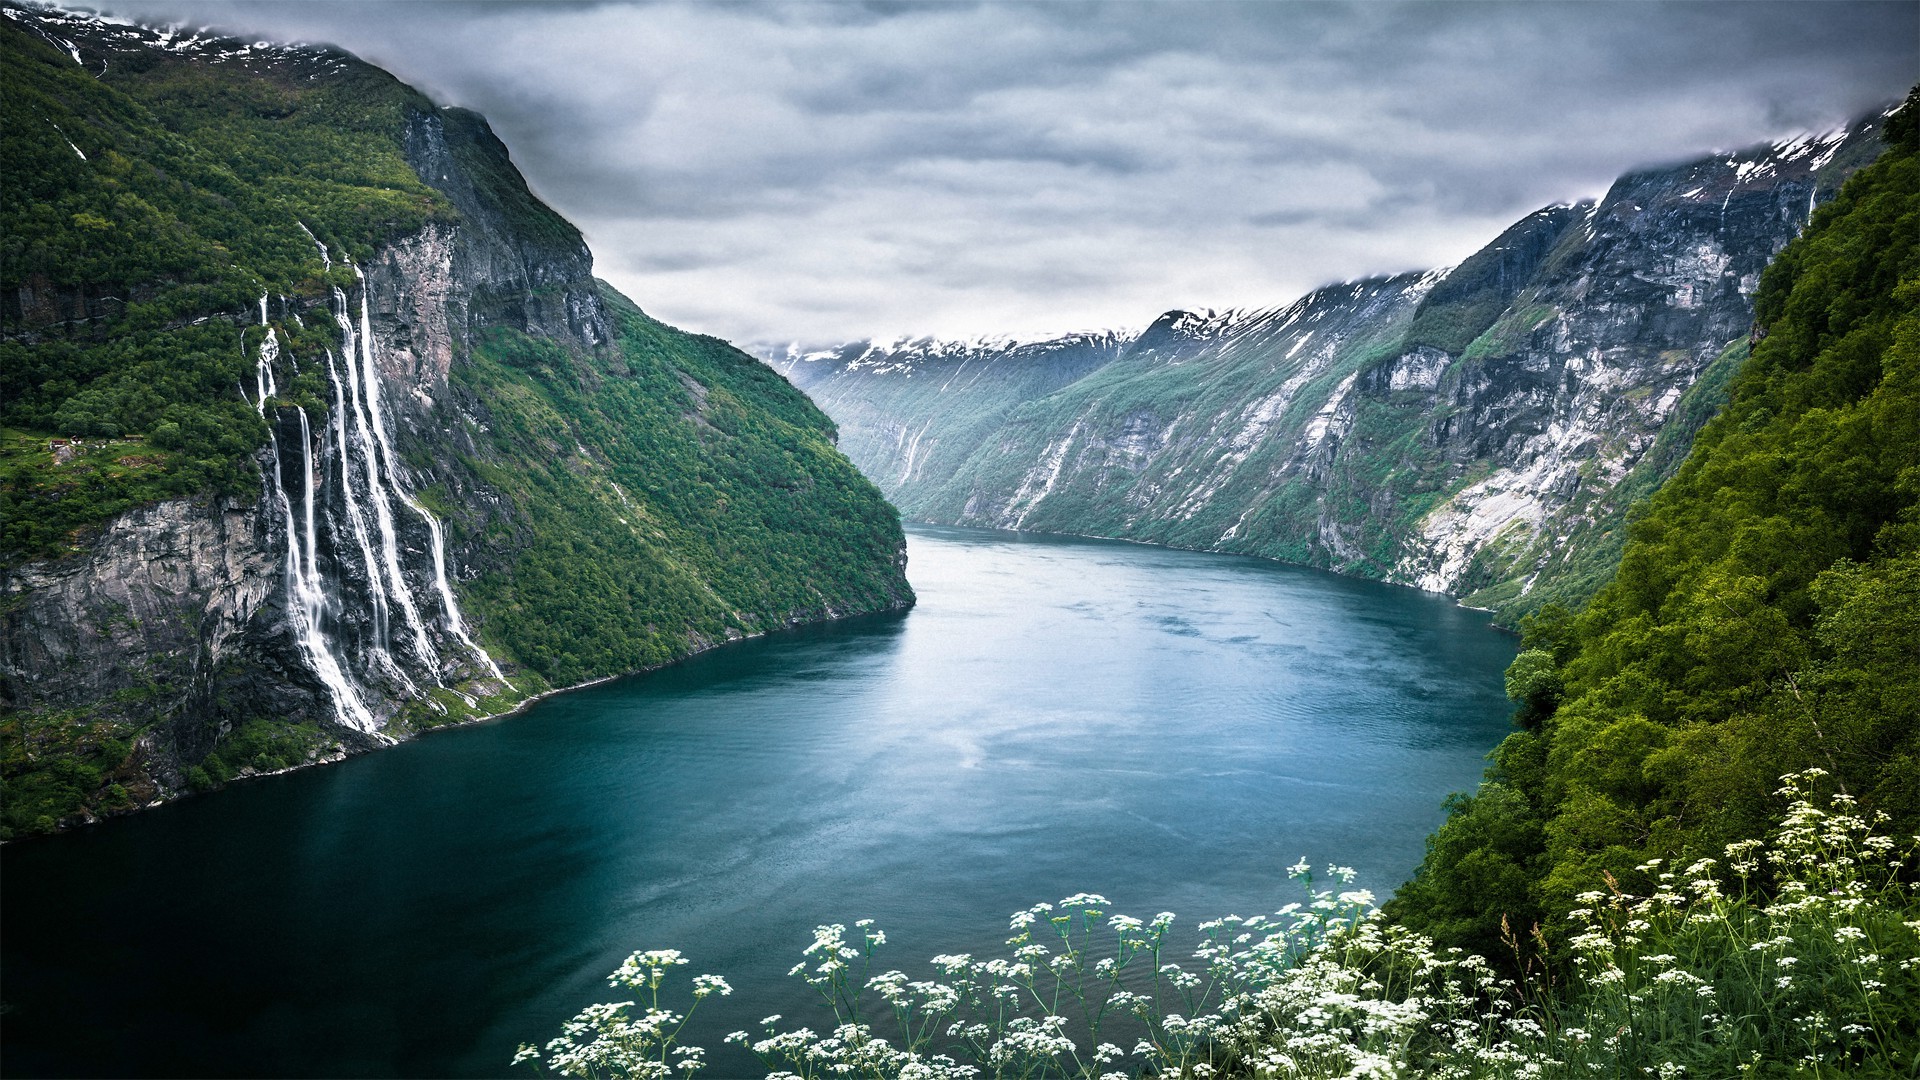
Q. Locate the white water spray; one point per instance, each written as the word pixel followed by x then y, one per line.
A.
pixel 326 259
pixel 304 586
pixel 356 518
pixel 371 378
pixel 263 384
pixel 365 432
pixel 366 457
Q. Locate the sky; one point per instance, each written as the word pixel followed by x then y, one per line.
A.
pixel 831 171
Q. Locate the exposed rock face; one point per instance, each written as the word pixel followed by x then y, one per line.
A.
pixel 958 393
pixel 328 611
pixel 163 607
pixel 1478 431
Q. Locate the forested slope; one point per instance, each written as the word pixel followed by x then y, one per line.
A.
pixel 316 430
pixel 1765 616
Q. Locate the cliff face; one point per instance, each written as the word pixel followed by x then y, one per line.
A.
pixel 463 470
pixel 1478 431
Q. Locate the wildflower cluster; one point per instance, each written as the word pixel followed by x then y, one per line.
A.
pixel 608 1040
pixel 1799 956
pixel 1803 953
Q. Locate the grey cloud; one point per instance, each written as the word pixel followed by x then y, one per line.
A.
pixel 771 171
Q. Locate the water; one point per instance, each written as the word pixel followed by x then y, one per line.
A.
pixel 1167 728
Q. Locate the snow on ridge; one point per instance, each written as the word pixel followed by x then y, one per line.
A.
pixel 110 34
pixel 905 355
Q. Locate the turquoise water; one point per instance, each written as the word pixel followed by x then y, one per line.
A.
pixel 1169 729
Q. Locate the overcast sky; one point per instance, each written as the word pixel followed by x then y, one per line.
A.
pixel 830 171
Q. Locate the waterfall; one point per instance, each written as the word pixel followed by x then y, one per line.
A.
pixel 371 481
pixel 309 592
pixel 326 258
pixel 304 586
pixel 263 384
pixel 364 437
pixel 356 519
pixel 371 378
pixel 448 603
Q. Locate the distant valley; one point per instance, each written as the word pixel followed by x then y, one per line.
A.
pixel 1480 430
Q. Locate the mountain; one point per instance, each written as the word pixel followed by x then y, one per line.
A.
pixel 1480 430
pixel 319 432
pixel 1765 618
pixel 966 389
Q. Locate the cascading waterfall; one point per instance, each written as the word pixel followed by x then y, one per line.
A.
pixel 363 429
pixel 356 518
pixel 326 257
pixel 380 650
pixel 310 596
pixel 370 481
pixel 304 585
pixel 371 377
pixel 263 384
pixel 451 606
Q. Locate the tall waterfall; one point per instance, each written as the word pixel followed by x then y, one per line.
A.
pixel 448 605
pixel 305 588
pixel 360 520
pixel 364 439
pixel 357 519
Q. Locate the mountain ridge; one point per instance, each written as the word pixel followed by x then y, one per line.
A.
pixel 1463 437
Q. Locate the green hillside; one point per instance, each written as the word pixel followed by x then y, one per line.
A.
pixel 614 493
pixel 1765 616
pixel 139 214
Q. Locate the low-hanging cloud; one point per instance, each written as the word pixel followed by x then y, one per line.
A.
pixel 825 171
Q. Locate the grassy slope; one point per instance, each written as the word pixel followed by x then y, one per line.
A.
pixel 709 501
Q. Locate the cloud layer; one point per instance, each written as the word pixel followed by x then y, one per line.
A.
pixel 827 171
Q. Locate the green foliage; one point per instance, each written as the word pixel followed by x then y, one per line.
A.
pixel 264 746
pixel 1796 956
pixel 1761 620
pixel 1077 976
pixel 662 493
pixel 1483 864
pixel 125 272
pixel 711 504
pixel 57 765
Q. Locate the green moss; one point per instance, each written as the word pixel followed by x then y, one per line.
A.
pixel 1509 334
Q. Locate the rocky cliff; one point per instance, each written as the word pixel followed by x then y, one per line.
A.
pixel 1479 431
pixel 324 434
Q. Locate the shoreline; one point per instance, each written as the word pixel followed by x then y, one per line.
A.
pixel 1456 601
pixel 339 753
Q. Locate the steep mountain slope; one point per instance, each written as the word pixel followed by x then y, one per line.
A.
pixel 1479 431
pixel 1765 618
pixel 319 431
pixel 965 389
